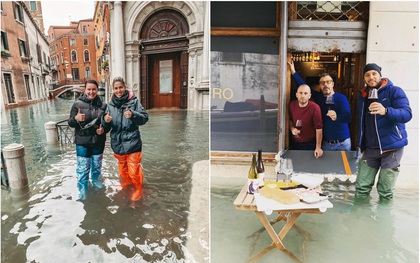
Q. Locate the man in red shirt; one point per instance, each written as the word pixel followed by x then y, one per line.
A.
pixel 307 132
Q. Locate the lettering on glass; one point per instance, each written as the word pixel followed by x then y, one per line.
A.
pixel 165 76
pixel 218 93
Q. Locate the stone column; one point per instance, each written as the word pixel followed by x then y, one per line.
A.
pixel 117 42
pixel 16 169
pixel 51 132
pixel 205 58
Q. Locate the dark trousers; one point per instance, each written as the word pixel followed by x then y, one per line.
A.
pixel 309 145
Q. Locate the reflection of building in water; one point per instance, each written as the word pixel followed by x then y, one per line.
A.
pixel 250 48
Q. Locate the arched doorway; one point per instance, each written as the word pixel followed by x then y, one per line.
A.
pixel 164 60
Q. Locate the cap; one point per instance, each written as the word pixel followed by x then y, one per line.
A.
pixel 372 66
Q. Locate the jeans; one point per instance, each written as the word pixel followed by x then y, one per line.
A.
pixel 341 146
pixel 89 160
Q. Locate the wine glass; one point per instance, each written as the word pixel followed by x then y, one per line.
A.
pixel 288 168
pixel 373 94
pixel 329 101
pixel 298 126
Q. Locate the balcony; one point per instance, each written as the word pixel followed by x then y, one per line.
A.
pixel 45 70
pixel 53 68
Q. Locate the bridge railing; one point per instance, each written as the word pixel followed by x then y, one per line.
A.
pixel 65 133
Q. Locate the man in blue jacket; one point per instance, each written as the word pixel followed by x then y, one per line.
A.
pixel 335 117
pixel 381 133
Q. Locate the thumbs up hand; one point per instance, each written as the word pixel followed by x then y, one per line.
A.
pixel 107 117
pixel 100 130
pixel 127 113
pixel 79 116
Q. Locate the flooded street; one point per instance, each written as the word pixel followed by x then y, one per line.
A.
pixel 51 226
pixel 349 232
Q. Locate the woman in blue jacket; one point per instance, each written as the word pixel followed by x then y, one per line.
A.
pixel 381 133
pixel 124 115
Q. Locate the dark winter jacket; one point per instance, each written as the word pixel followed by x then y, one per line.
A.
pixel 85 131
pixel 125 133
pixel 390 128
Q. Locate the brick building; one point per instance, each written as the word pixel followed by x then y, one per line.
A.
pixel 73 53
pixel 25 61
pixel 102 38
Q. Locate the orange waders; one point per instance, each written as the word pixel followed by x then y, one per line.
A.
pixel 131 172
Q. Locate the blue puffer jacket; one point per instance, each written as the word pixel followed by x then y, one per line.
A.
pixel 125 133
pixel 391 127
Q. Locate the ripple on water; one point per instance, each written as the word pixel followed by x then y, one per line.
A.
pixel 51 226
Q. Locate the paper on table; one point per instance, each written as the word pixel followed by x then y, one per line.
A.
pixel 268 205
pixel 307 180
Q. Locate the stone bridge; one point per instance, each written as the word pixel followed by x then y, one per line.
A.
pixel 58 91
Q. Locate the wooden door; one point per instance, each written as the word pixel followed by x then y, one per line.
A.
pixel 165 80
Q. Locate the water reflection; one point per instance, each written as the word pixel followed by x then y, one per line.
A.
pixel 51 226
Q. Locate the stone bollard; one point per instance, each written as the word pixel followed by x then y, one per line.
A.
pixel 51 132
pixel 16 169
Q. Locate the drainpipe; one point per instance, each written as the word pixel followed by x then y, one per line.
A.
pixel 282 75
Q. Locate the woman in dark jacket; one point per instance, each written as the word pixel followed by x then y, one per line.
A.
pixel 124 116
pixel 89 137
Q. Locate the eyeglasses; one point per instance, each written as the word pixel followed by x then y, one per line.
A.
pixel 326 82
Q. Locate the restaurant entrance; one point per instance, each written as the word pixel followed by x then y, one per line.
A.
pixel 345 69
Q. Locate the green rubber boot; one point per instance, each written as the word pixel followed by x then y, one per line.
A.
pixel 386 183
pixel 365 179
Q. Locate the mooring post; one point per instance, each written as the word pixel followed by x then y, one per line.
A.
pixel 14 154
pixel 51 132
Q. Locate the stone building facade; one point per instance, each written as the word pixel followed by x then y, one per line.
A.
pixel 161 49
pixel 102 43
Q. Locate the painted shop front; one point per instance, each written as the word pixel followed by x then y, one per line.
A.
pixel 251 43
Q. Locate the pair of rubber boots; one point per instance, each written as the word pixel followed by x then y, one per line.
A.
pixel 131 171
pixel 86 165
pixel 366 179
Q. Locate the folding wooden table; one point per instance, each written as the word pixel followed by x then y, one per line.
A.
pixel 288 213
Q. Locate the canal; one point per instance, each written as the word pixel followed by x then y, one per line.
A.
pixel 49 225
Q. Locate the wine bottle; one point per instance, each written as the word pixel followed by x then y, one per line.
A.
pixel 253 180
pixel 260 168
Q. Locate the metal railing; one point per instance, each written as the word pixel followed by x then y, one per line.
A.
pixel 329 10
pixel 65 133
pixel 4 175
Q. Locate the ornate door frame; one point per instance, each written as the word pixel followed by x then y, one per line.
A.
pixel 164 31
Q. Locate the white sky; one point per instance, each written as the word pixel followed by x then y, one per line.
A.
pixel 60 13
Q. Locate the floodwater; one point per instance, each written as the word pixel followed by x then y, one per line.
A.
pixel 51 226
pixel 366 232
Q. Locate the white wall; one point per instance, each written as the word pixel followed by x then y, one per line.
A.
pixel 35 37
pixel 393 44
